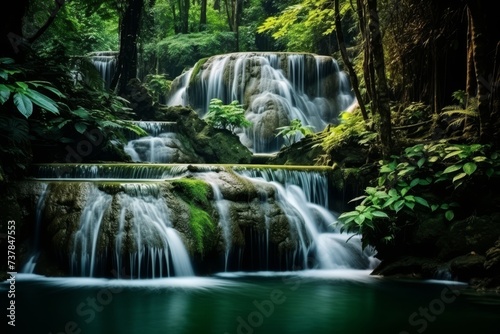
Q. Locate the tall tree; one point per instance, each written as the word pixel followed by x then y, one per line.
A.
pixel 203 15
pixel 234 8
pixel 374 60
pixel 126 67
pixel 480 47
pixel 353 77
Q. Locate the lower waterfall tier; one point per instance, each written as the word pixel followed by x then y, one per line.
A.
pixel 199 221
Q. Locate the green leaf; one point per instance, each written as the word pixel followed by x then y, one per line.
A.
pixel 449 215
pixel 422 201
pixel 414 182
pixel 452 154
pixel 4 93
pixel 22 85
pixel 380 214
pixel 23 104
pixel 421 162
pixel 349 214
pixel 393 193
pixel 81 127
pixel 433 159
pixel 434 207
pixel 459 176
pixel 381 194
pixel 399 205
pixel 479 159
pixel 425 182
pixel 42 101
pixel 469 168
pixel 359 219
pixel 452 168
pixel 390 201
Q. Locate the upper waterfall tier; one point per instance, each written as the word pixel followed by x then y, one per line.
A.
pixel 105 63
pixel 274 89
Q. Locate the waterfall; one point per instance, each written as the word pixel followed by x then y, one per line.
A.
pixel 313 183
pixel 29 266
pixel 97 172
pixel 155 238
pixel 274 87
pixel 145 236
pixel 105 63
pixel 320 244
pixel 158 147
pixel 224 220
pixel 135 221
pixel 83 257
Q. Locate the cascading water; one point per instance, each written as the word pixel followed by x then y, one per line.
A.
pixel 160 146
pixel 105 63
pixel 224 219
pixel 266 219
pixel 29 266
pixel 145 243
pixel 275 88
pixel 320 244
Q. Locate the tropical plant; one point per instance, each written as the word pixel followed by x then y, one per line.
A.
pixel 416 184
pixel 24 94
pixel 462 117
pixel 157 85
pixel 291 133
pixel 230 116
pixel 18 100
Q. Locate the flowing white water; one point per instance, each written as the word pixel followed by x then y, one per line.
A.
pixel 222 206
pixel 29 266
pixel 145 236
pixel 274 91
pixel 105 63
pixel 158 147
pixel 320 245
pixel 154 239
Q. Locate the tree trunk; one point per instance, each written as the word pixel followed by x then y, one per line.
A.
pixel 185 16
pixel 216 5
pixel 347 62
pixel 481 68
pixel 233 10
pixel 175 19
pixel 470 84
pixel 127 58
pixel 381 94
pixel 368 73
pixel 203 15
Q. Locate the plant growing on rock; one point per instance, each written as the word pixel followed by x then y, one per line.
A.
pixel 230 116
pixel 293 131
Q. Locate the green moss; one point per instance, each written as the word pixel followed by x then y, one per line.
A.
pixel 192 191
pixel 197 67
pixel 195 193
pixel 201 225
